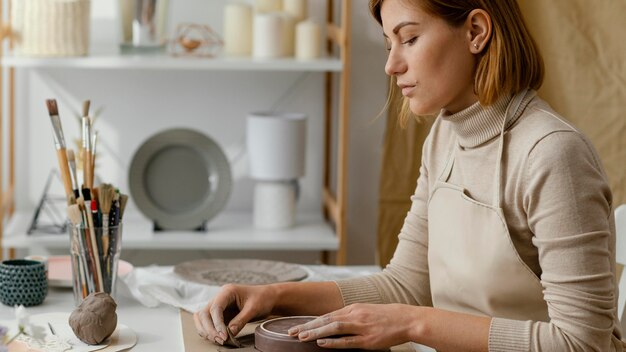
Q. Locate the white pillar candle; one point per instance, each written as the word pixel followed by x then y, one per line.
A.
pixel 267 35
pixel 308 40
pixel 263 6
pixel 126 17
pixel 289 34
pixel 238 29
pixel 296 8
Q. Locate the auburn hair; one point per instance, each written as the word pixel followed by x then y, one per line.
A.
pixel 510 62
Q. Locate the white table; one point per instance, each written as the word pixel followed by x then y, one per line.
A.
pixel 157 329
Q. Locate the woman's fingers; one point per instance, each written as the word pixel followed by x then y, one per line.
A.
pixel 217 318
pixel 332 328
pixel 315 323
pixel 201 330
pixel 204 324
pixel 239 321
pixel 341 342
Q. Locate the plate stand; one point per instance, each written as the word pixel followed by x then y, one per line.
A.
pixel 157 228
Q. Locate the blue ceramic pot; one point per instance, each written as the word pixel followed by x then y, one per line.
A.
pixel 23 282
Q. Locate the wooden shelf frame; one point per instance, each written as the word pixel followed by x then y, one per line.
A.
pixel 334 204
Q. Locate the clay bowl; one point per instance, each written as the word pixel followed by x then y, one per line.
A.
pixel 271 336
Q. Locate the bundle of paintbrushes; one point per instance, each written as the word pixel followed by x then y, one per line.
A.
pixel 95 213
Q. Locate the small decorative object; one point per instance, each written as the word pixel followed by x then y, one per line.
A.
pixel 195 40
pixel 94 319
pixel 49 217
pixel 51 28
pixel 144 25
pixel 308 40
pixel 238 29
pixel 276 146
pixel 23 282
pixel 24 328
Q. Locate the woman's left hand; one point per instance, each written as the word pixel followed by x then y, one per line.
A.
pixel 367 326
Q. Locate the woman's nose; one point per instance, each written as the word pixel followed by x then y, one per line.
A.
pixel 395 65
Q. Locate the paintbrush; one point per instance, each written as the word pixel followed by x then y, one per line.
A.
pixel 94 246
pixel 71 158
pixel 123 201
pixel 107 193
pixel 59 143
pixel 87 152
pixel 73 213
pixel 94 140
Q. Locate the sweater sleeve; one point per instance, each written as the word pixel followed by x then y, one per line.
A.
pixel 568 204
pixel 405 279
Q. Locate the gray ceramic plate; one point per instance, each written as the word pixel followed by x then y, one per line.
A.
pixel 219 272
pixel 180 178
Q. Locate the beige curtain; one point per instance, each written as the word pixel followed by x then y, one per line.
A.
pixel 584 49
pixel 402 155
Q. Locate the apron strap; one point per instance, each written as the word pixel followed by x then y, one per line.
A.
pixel 447 171
pixel 511 111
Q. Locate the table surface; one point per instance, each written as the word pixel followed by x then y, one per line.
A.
pixel 157 329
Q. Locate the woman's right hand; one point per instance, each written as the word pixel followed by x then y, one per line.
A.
pixel 234 305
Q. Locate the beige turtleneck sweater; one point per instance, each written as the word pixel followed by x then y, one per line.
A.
pixel 557 204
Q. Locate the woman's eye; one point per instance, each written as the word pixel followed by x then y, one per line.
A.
pixel 410 41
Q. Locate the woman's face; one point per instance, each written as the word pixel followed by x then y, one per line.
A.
pixel 431 60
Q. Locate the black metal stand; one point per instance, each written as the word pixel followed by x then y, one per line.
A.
pixel 50 216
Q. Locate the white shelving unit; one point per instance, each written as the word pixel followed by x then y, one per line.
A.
pixel 229 230
pixel 164 62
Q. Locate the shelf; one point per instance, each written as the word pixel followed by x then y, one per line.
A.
pixel 228 231
pixel 165 62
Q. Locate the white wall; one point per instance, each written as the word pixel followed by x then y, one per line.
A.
pixel 137 104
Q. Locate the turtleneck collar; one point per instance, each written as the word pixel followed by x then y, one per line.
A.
pixel 478 124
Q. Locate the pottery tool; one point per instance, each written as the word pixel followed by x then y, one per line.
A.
pixel 71 158
pixel 59 143
pixel 94 246
pixel 73 213
pixel 107 193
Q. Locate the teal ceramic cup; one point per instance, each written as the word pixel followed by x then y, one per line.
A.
pixel 23 282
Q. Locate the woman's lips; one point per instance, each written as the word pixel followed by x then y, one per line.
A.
pixel 406 90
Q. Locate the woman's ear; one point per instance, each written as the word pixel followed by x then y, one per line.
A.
pixel 478 25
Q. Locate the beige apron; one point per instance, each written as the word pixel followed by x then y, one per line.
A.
pixel 474 267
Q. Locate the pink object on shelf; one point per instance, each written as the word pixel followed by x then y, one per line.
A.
pixel 60 270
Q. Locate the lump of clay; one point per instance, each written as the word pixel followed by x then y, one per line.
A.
pixel 94 319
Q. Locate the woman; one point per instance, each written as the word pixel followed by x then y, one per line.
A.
pixel 509 244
